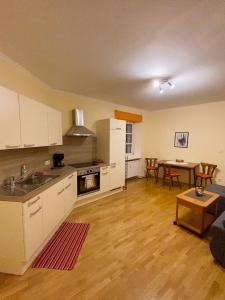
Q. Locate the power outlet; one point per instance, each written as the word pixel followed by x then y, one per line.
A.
pixel 47 162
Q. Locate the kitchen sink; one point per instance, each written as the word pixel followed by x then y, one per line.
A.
pixel 27 185
pixel 37 180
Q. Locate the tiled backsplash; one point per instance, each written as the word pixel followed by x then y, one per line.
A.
pixel 76 149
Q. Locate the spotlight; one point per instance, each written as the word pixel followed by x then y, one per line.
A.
pixel 161 91
pixel 156 83
pixel 171 85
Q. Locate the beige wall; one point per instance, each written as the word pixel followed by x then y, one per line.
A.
pixel 206 125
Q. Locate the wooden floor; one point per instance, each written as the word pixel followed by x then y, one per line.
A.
pixel 133 251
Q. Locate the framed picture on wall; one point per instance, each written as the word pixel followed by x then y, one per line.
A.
pixel 181 139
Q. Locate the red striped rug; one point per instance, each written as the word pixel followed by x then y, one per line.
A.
pixel 62 250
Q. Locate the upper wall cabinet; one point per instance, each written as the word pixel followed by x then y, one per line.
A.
pixel 34 123
pixel 117 124
pixel 54 127
pixel 9 120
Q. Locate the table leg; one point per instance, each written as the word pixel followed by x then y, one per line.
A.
pixel 194 175
pixel 177 208
pixel 189 171
pixel 202 221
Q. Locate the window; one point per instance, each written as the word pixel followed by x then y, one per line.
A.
pixel 129 138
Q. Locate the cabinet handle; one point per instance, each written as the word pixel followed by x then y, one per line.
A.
pixel 29 145
pixel 11 146
pixel 53 144
pixel 61 191
pixel 105 173
pixel 68 186
pixel 104 168
pixel 118 128
pixel 35 212
pixel 71 176
pixel 113 165
pixel 31 203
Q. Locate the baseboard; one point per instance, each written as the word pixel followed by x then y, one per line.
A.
pixel 83 201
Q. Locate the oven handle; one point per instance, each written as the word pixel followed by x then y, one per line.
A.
pixel 90 174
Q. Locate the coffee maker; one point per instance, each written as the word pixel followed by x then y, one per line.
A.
pixel 58 160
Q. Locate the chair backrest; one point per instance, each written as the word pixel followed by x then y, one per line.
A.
pixel 166 170
pixel 151 162
pixel 208 169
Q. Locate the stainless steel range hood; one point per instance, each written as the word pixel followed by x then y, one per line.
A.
pixel 78 128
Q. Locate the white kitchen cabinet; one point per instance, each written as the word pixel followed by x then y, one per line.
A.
pixel 9 119
pixel 54 127
pixel 26 227
pixel 132 168
pixel 33 225
pixel 34 123
pixel 111 148
pixel 70 192
pixel 58 201
pixel 104 179
pixel 117 146
pixel 52 209
pixel 115 124
pixel 117 175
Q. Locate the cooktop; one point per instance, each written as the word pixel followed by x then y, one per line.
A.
pixel 83 165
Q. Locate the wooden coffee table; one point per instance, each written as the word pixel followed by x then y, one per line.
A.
pixel 198 219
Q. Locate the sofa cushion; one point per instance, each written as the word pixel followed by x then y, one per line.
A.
pixel 216 188
pixel 219 189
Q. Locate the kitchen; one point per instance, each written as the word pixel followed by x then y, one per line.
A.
pixel 90 167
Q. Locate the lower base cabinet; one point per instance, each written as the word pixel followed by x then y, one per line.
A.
pixel 26 227
pixel 104 179
pixel 33 225
pixel 112 177
pixel 132 168
pixel 117 175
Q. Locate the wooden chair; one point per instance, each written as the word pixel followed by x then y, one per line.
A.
pixel 169 173
pixel 206 173
pixel 152 166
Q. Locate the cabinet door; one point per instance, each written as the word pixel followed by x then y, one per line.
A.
pixel 33 225
pixel 133 166
pixel 117 146
pixel 104 179
pixel 117 175
pixel 9 119
pixel 53 208
pixel 70 193
pixel 54 127
pixel 34 127
pixel 117 124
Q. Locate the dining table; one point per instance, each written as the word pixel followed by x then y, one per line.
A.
pixel 190 167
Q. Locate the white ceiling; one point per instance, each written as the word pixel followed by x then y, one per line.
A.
pixel 111 49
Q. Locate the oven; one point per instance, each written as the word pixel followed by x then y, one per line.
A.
pixel 88 181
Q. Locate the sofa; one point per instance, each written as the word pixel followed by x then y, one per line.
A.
pixel 217 244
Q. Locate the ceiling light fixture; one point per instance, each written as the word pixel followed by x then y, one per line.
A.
pixel 161 83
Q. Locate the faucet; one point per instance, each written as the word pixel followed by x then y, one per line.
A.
pixel 12 182
pixel 23 171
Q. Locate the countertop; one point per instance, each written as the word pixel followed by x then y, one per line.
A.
pixel 97 165
pixel 63 172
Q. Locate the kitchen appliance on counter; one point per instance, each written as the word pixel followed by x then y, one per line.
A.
pixel 88 178
pixel 58 160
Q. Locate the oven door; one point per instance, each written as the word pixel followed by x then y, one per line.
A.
pixel 88 183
